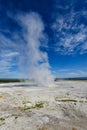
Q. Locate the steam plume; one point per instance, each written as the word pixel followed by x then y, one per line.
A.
pixel 39 67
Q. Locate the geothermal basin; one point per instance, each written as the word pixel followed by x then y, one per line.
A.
pixel 24 106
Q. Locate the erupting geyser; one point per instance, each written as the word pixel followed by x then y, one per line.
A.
pixel 39 67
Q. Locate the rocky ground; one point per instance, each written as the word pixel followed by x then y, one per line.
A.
pixel 61 107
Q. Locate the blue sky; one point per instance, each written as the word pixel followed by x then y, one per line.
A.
pixel 59 29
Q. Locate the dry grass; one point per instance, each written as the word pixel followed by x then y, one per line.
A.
pixel 74 128
pixel 43 128
pixel 1 96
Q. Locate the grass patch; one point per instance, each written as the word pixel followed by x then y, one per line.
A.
pixel 65 100
pixel 15 116
pixel 39 104
pixel 68 100
pixel 2 119
pixel 26 108
pixel 2 124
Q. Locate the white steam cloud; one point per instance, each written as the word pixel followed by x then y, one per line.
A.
pixel 39 67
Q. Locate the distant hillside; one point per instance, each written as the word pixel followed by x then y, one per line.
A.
pixel 9 80
pixel 75 78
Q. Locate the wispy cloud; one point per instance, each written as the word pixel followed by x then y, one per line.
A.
pixel 10 54
pixel 70 31
pixel 78 73
pixel 11 49
pixel 64 73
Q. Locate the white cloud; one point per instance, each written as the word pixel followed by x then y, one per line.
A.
pixel 5 65
pixel 63 70
pixel 11 49
pixel 79 73
pixel 73 72
pixel 10 54
pixel 70 33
